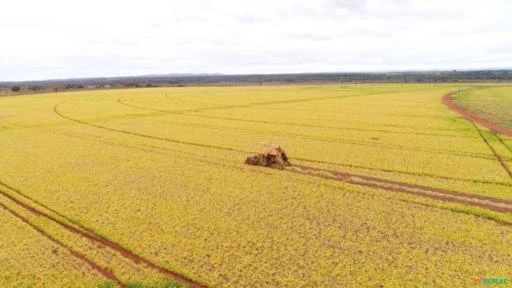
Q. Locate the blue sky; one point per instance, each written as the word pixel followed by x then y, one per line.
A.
pixel 66 39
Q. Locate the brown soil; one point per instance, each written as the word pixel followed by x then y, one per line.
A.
pixel 491 203
pixel 469 115
pixel 107 243
pixel 475 119
pixel 105 272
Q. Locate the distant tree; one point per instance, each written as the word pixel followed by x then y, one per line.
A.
pixel 74 86
pixel 35 88
pixel 15 88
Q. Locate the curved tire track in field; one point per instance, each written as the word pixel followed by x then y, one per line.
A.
pixel 188 112
pixel 316 119
pixel 426 191
pixel 406 172
pixel 503 143
pixel 465 198
pixel 176 141
pixel 91 235
pixel 475 119
pixel 95 266
pixel 151 148
pixel 55 109
pixel 328 139
pixel 320 139
pixel 491 203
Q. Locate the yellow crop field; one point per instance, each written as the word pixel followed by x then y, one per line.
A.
pixel 387 187
pixel 31 260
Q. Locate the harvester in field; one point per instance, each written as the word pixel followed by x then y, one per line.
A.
pixel 271 156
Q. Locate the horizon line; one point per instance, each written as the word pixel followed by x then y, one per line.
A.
pixel 213 74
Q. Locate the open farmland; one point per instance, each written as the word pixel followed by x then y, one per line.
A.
pixel 148 187
pixel 494 103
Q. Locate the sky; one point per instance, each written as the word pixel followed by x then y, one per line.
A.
pixel 55 39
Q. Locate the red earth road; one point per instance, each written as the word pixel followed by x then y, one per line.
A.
pixel 491 203
pixel 473 117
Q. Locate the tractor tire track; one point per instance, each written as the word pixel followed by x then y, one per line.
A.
pixel 275 102
pixel 291 124
pixel 498 157
pixel 331 120
pixel 95 266
pixel 503 143
pixel 475 119
pixel 151 148
pixel 337 175
pixel 491 203
pixel 315 138
pixel 190 114
pixel 396 186
pixel 55 109
pixel 248 105
pixel 91 235
pixel 406 172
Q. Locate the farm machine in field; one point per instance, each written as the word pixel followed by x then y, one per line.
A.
pixel 271 156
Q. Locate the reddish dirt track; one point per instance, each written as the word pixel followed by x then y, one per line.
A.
pixel 107 243
pixel 105 272
pixel 471 116
pixel 475 119
pixel 491 203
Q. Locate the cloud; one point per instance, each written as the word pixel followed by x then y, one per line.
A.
pixel 357 5
pixel 57 38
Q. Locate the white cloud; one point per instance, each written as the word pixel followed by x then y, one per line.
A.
pixel 62 39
